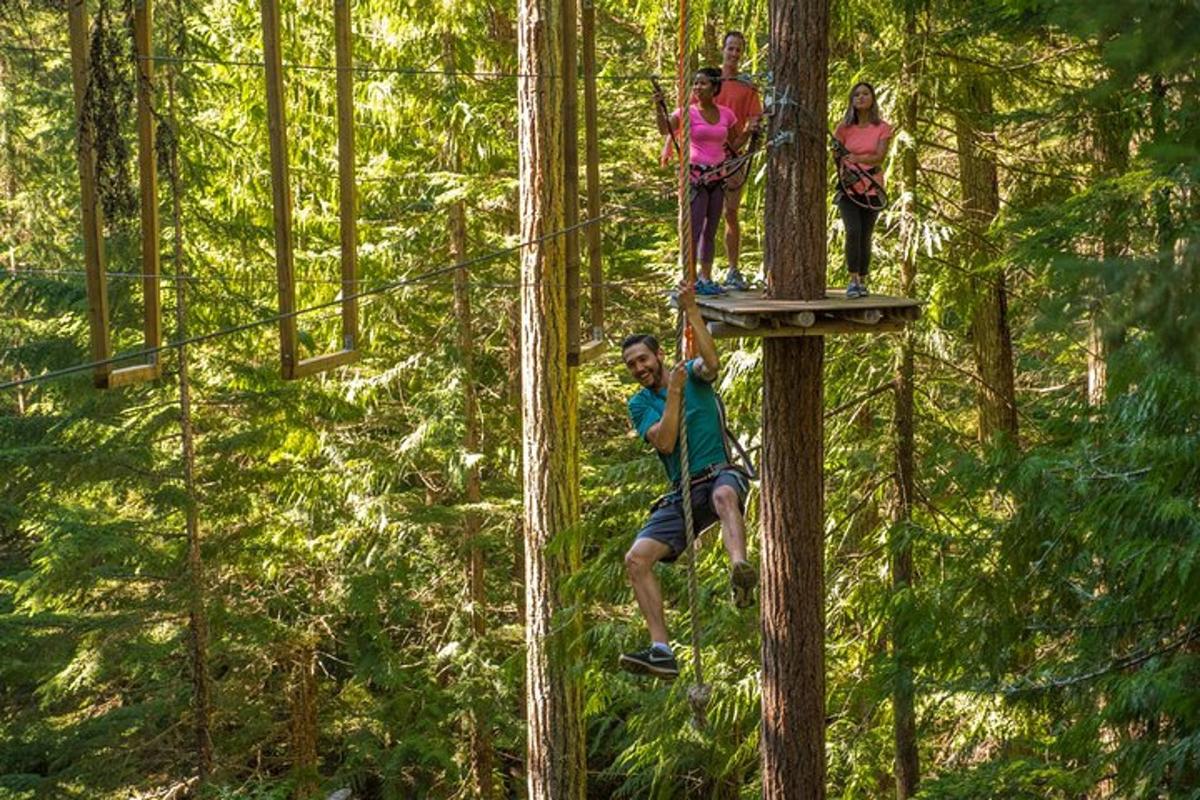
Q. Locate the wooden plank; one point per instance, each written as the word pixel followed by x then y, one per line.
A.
pixel 592 157
pixel 748 321
pixel 590 351
pixel 281 193
pixel 347 188
pixel 311 366
pixel 148 182
pixel 570 156
pixel 93 220
pixel 127 376
pixel 721 330
pixel 755 303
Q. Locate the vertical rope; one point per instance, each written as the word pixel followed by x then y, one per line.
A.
pixel 683 93
pixel 699 692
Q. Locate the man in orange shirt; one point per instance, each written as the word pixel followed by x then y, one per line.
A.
pixel 739 96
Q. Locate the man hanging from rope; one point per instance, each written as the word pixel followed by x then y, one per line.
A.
pixel 718 490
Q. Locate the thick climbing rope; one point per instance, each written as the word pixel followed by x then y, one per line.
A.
pixel 699 691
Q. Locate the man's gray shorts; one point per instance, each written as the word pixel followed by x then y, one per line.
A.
pixel 666 522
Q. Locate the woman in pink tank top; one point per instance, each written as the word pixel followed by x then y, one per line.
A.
pixel 710 127
pixel 865 137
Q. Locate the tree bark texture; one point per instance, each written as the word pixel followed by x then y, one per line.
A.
pixel 904 718
pixel 552 768
pixel 1112 133
pixel 793 594
pixel 303 692
pixel 990 334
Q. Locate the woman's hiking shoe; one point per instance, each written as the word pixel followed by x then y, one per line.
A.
pixel 743 579
pixel 707 287
pixel 651 661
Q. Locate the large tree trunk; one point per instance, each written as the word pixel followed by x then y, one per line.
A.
pixel 990 336
pixel 903 700
pixel 793 594
pixel 551 761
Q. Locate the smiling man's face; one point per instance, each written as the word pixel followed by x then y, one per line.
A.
pixel 644 365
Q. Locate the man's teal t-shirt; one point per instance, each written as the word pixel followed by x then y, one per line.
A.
pixel 706 442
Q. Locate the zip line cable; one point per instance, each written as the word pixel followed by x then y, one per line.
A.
pixel 382 289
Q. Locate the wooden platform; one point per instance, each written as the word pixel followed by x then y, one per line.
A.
pixel 750 314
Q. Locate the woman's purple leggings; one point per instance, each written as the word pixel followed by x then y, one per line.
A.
pixel 707 204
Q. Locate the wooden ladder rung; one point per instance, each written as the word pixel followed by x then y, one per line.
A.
pixel 591 350
pixel 311 366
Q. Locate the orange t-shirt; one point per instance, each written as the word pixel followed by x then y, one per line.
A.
pixel 739 96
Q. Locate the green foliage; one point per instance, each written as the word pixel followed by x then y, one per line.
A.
pixel 1054 618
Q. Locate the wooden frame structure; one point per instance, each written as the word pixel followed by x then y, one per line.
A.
pixel 104 376
pixel 293 366
pixel 754 315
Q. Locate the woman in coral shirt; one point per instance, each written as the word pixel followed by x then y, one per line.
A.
pixel 865 137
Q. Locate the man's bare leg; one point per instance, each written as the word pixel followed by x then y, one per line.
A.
pixel 742 576
pixel 733 525
pixel 639 564
pixel 733 231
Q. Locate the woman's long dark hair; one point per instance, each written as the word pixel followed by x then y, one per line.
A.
pixel 872 114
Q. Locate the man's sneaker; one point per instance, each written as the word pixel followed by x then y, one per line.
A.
pixel 735 281
pixel 651 661
pixel 707 287
pixel 743 578
pixel 855 290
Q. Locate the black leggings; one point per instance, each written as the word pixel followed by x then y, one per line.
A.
pixel 859 223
